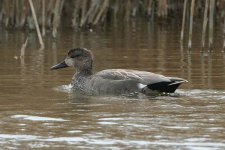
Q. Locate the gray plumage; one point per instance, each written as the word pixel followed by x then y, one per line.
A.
pixel 114 81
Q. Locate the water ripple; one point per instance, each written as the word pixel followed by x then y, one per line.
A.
pixel 191 143
pixel 36 118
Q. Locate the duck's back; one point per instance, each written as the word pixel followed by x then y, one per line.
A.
pixel 123 81
pixel 123 74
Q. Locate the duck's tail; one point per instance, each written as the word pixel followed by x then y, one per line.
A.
pixel 167 87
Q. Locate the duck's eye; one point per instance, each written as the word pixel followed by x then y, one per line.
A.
pixel 75 56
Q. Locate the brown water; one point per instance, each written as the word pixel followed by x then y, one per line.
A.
pixel 37 109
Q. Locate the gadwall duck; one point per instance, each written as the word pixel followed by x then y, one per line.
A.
pixel 114 81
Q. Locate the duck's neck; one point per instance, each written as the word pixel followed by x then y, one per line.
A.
pixel 80 77
pixel 84 70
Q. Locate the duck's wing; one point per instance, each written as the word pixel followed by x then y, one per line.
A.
pixel 145 80
pixel 143 77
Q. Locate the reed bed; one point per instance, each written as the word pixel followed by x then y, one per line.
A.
pixel 81 13
pixel 52 14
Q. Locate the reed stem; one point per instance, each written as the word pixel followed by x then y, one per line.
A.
pixel 183 20
pixel 22 50
pixel 223 33
pixel 43 17
pixel 191 24
pixel 211 23
pixel 36 24
pixel 205 22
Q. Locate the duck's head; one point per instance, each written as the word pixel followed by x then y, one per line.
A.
pixel 79 58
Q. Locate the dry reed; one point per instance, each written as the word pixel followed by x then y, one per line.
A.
pixel 191 24
pixel 205 20
pixel 211 22
pixel 78 14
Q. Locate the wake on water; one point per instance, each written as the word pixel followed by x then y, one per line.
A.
pixel 180 93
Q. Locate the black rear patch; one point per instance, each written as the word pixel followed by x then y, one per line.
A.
pixel 168 87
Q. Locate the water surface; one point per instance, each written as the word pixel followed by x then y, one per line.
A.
pixel 38 111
